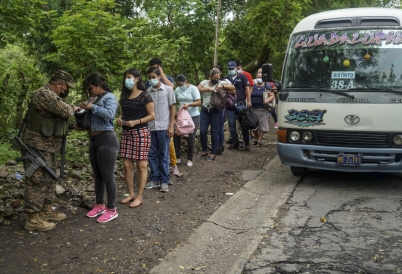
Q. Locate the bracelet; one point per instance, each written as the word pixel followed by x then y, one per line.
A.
pixel 140 121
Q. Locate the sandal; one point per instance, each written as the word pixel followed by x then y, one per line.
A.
pixel 128 200
pixel 259 144
pixel 255 143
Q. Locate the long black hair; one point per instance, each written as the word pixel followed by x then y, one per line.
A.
pixel 95 79
pixel 125 92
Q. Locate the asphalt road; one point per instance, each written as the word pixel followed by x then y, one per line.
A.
pixel 335 222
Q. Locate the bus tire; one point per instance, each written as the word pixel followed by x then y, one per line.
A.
pixel 298 170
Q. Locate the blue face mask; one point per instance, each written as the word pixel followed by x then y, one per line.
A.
pixel 129 83
pixel 183 87
pixel 154 82
pixel 232 72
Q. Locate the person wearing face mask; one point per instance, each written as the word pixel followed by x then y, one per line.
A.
pixel 221 132
pixel 239 69
pixel 189 98
pixel 260 111
pixel 211 116
pixel 243 92
pixel 161 130
pixel 44 131
pixel 166 80
pixel 137 109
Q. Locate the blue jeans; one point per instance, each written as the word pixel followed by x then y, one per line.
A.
pixel 273 114
pixel 214 117
pixel 158 156
pixel 221 132
pixel 232 117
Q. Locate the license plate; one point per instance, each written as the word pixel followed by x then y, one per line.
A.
pixel 349 159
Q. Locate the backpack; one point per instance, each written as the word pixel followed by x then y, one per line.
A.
pixel 184 123
pixel 248 119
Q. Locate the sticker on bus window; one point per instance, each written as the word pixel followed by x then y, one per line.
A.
pixel 342 79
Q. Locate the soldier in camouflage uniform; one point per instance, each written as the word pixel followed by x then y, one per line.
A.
pixel 45 129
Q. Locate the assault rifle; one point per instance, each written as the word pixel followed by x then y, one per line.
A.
pixel 34 157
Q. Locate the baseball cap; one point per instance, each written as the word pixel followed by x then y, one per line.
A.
pixel 62 75
pixel 231 65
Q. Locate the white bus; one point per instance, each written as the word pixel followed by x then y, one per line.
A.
pixel 341 101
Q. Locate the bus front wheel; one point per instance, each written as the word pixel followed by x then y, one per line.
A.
pixel 298 170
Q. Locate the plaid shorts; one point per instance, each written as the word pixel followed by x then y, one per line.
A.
pixel 135 143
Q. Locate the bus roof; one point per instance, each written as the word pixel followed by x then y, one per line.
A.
pixel 353 17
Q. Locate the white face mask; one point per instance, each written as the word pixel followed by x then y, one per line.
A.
pixel 259 80
pixel 239 70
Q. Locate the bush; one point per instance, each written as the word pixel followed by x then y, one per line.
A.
pixel 7 153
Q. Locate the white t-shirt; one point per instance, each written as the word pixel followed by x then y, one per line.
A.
pixel 206 96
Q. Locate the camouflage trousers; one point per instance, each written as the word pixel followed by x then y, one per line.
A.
pixel 40 188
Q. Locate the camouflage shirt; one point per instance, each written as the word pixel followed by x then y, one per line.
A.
pixel 48 104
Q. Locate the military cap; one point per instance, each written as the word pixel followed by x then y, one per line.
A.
pixel 62 75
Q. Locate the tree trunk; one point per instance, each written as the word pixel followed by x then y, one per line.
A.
pixel 21 98
pixel 261 59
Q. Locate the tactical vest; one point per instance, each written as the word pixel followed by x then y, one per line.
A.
pixel 47 126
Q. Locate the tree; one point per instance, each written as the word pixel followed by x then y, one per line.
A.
pixel 19 78
pixel 18 18
pixel 88 38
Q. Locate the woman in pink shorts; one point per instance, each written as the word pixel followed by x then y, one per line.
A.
pixel 137 109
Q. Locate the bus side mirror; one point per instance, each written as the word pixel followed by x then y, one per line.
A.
pixel 267 73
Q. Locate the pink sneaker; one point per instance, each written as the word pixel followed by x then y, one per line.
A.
pixel 96 210
pixel 108 216
pixel 276 125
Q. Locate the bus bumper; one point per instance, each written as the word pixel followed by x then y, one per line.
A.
pixel 324 157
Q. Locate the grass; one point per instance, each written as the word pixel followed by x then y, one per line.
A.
pixel 7 153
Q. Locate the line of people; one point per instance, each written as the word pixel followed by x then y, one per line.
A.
pixel 147 118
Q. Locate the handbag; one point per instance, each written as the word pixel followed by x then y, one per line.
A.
pixel 231 100
pixel 83 117
pixel 271 105
pixel 218 99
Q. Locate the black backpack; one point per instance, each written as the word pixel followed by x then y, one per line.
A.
pixel 248 119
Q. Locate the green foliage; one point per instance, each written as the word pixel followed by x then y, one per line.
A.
pixel 17 18
pixel 77 147
pixel 19 77
pixel 7 153
pixel 89 38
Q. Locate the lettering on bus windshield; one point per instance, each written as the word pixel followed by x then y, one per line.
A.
pixel 305 117
pixel 371 38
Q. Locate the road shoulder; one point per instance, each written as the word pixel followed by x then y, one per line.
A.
pixel 224 243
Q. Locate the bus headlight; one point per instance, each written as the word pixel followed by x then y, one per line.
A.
pixel 397 139
pixel 307 136
pixel 294 136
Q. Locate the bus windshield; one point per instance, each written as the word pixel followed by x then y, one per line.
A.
pixel 344 60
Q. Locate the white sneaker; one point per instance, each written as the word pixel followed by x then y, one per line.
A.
pixel 276 125
pixel 189 163
pixel 175 170
pixel 178 161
